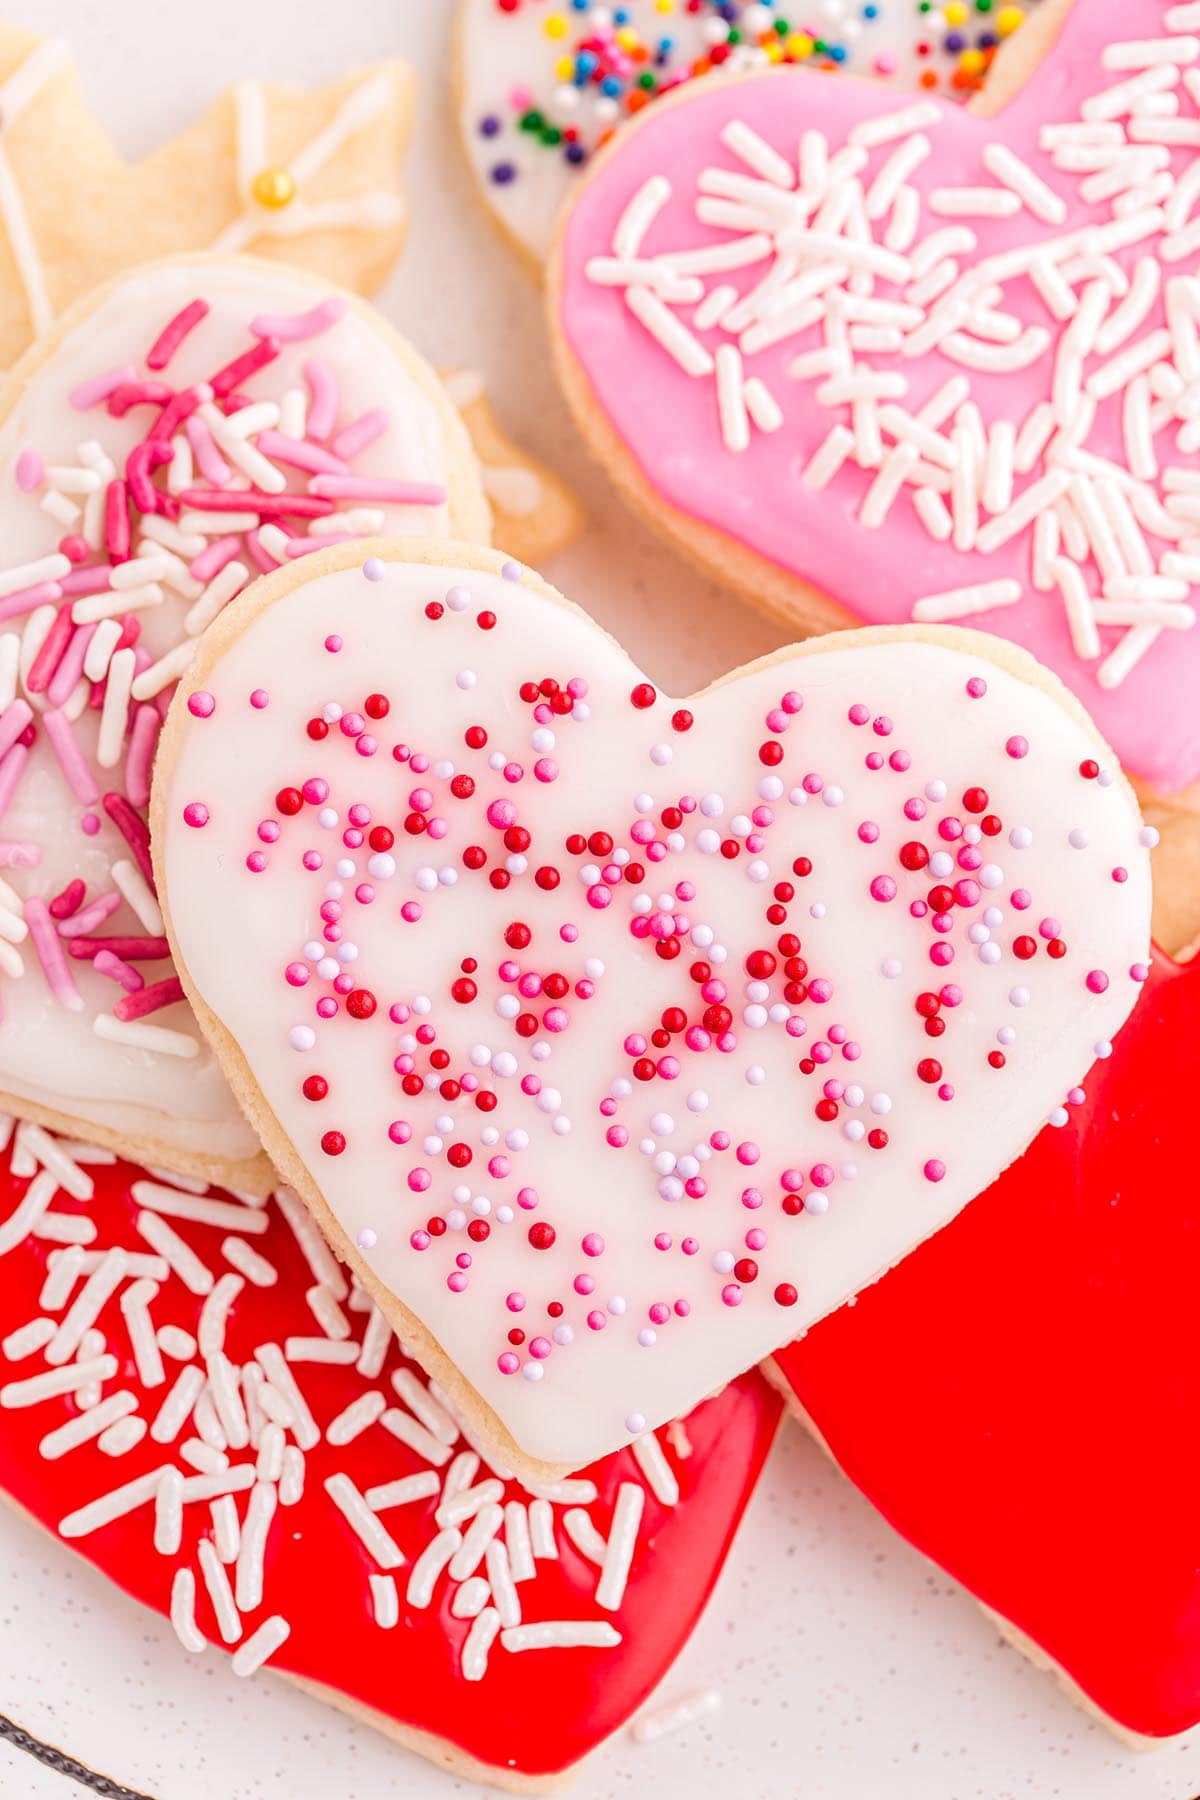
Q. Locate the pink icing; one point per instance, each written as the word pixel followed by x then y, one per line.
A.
pixel 670 421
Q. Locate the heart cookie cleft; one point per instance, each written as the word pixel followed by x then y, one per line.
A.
pixel 615 1039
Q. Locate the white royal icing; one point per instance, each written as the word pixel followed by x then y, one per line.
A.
pixel 263 956
pixel 49 1054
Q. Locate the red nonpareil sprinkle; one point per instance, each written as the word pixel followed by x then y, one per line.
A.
pixel 138 393
pixel 67 903
pixel 173 333
pixel 177 412
pixel 133 829
pixel 149 999
pixel 267 506
pixel 129 949
pixel 116 521
pixel 248 363
pixel 139 466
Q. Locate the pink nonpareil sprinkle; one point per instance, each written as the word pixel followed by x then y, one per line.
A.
pixel 14 720
pixel 132 949
pixel 389 493
pixel 50 654
pixel 42 593
pixel 306 546
pixel 212 560
pixel 45 941
pixel 30 471
pixel 72 761
pixel 105 963
pixel 70 669
pixel 234 373
pixel 91 915
pixel 150 999
pixel 354 438
pixel 90 393
pixel 80 582
pixel 173 333
pixel 294 328
pixel 324 399
pixel 12 767
pixel 312 458
pixel 267 506
pixel 209 461
pixel 139 760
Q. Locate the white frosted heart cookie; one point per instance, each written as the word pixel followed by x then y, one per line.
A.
pixel 613 1039
pixel 196 423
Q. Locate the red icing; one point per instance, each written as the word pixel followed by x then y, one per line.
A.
pixel 535 1712
pixel 1020 1398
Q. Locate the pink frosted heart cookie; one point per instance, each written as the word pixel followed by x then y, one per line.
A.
pixel 897 362
pixel 198 422
pixel 615 1039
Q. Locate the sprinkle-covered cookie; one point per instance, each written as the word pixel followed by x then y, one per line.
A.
pixel 614 1038
pixel 199 422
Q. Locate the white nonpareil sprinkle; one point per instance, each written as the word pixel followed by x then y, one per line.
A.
pixel 478 1644
pixel 432 1414
pixel 562 1634
pixel 177 1204
pixel 364 1522
pixel 356 1418
pixel 326 1269
pixel 622 1538
pixel 401 1493
pixel 385 1601
pixel 248 1582
pixel 183 1611
pixel 423 1575
pixel 403 1426
pixel 658 1473
pixel 220 1593
pixel 261 1645
pixel 87 1425
pixel 113 1505
pixel 248 1262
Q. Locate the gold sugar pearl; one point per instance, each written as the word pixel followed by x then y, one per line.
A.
pixel 273 188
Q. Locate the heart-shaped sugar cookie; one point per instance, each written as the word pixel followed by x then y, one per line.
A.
pixel 884 361
pixel 195 423
pixel 286 1484
pixel 615 1039
pixel 1018 1399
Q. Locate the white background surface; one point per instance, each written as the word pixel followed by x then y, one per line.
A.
pixel 848 1668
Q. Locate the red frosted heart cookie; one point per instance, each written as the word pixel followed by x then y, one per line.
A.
pixel 196 1397
pixel 901 361
pixel 1019 1400
pixel 675 1022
